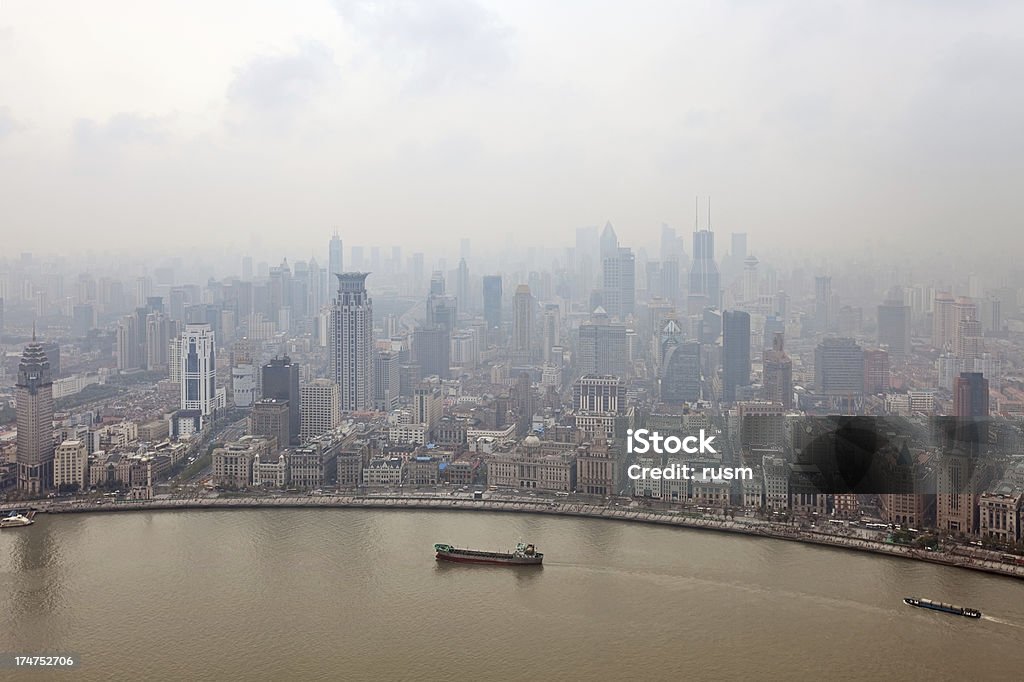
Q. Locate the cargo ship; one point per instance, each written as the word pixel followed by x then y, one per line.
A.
pixel 945 608
pixel 524 555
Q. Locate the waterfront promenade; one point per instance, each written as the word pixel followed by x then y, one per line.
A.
pixel 518 505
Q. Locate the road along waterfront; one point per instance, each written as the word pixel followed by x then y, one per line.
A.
pixel 507 504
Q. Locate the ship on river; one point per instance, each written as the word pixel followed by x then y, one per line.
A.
pixel 524 555
pixel 940 606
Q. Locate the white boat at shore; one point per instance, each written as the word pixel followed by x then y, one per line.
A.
pixel 15 520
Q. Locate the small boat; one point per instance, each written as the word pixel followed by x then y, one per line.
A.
pixel 15 520
pixel 940 606
pixel 524 555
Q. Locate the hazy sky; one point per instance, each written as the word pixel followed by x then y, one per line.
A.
pixel 417 122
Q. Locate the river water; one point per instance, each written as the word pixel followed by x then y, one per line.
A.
pixel 356 594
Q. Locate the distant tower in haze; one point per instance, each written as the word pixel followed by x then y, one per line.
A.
pixel 824 316
pixel 894 326
pixel 336 260
pixel 522 326
pixel 462 285
pixel 352 342
pixel 735 353
pixel 620 283
pixel 970 395
pixel 943 322
pixel 34 394
pixel 778 373
pixel 705 289
pixel 492 301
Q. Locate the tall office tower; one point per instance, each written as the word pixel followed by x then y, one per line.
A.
pixel 551 334
pixel 83 319
pixel 778 373
pixel 619 289
pixel 431 350
pixel 386 382
pixel 442 311
pixel 462 285
pixel 824 315
pixel 970 395
pixel 314 287
pixel 244 378
pixel 876 371
pixel 598 393
pixel 609 242
pixel 679 366
pixel 894 326
pixel 523 404
pixel 33 392
pixel 670 282
pixel 269 417
pixel 128 344
pixel 352 342
pixel 602 346
pixel 492 301
pixel 739 246
pixel 159 332
pixel 751 279
pixel 705 289
pixel 437 284
pixel 839 367
pixel 320 408
pixel 280 381
pixel 943 326
pixel 335 258
pixel 735 353
pixel 522 326
pixel 198 369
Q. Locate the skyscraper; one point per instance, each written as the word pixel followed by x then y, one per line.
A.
pixel 522 326
pixel 386 385
pixel 431 349
pixel 970 395
pixel 602 346
pixel 876 371
pixel 320 410
pixel 336 258
pixel 778 373
pixel 894 327
pixel 198 370
pixel 34 394
pixel 462 285
pixel 679 367
pixel 280 381
pixel 620 283
pixel 735 353
pixel 943 324
pixel 824 315
pixel 839 367
pixel 705 289
pixel 352 342
pixel 492 301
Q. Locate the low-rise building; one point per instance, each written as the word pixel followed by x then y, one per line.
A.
pixel 383 473
pixel 70 466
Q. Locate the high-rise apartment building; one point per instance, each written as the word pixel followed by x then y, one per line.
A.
pixel 320 408
pixel 352 342
pixel 33 392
